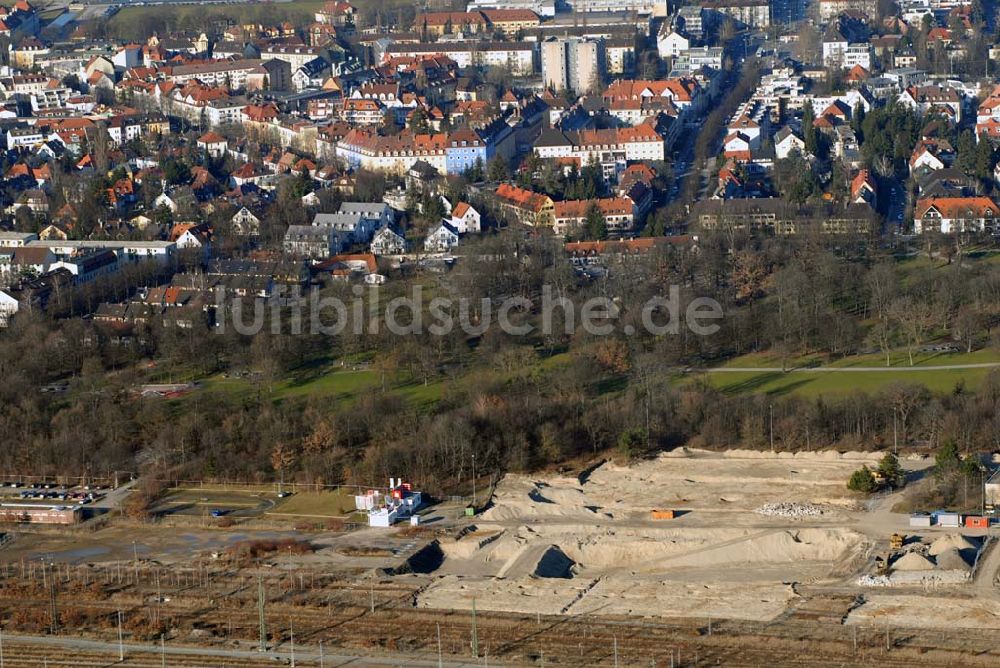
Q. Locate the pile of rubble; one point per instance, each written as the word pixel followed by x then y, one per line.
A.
pixel 789 510
pixel 874 581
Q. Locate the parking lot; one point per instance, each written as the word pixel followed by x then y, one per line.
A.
pixel 47 493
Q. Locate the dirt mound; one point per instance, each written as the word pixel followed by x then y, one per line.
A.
pixel 950 542
pixel 554 564
pixel 913 561
pixel 952 560
pixel 426 560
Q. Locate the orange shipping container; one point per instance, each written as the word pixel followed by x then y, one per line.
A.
pixel 662 514
pixel 973 522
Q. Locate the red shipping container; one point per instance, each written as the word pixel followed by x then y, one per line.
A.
pixel 973 522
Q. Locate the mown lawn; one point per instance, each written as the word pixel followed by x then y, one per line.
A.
pixel 839 383
pixel 334 503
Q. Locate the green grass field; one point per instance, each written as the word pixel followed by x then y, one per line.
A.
pixel 897 358
pixel 839 383
pixel 816 384
pixel 335 503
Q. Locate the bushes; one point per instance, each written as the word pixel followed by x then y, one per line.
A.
pixel 254 549
pixel 862 480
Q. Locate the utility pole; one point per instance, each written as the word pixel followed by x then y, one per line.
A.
pixel 371 592
pixel 163 652
pixel 473 481
pixel 320 654
pixel 260 614
pixel 475 637
pixel 440 661
pixel 291 636
pixel 121 646
pixel 770 412
pixel 895 434
pixel 616 651
pixel 52 599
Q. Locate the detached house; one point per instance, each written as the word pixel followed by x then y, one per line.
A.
pixel 388 242
pixel 465 219
pixel 786 142
pixel 442 239
pixel 310 241
pixel 863 188
pixel 214 144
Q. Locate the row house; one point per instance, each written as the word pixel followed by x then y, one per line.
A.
pixel 123 129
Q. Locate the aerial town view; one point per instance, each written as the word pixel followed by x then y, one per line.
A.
pixel 524 333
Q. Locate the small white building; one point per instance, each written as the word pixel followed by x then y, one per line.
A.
pixel 385 509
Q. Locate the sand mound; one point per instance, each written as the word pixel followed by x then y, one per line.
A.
pixel 554 564
pixel 952 560
pixel 913 561
pixel 950 542
pixel 518 497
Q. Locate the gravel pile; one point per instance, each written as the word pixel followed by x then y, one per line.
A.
pixel 789 510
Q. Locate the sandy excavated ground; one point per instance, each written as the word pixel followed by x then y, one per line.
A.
pixel 559 546
pixel 926 611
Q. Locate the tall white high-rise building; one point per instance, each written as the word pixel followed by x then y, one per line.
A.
pixel 573 62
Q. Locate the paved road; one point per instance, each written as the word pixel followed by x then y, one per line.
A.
pixel 847 369
pixel 114 499
pixel 986 572
pixel 310 653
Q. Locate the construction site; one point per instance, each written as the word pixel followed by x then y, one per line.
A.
pixel 692 558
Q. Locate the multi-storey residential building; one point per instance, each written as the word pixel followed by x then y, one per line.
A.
pixel 525 206
pixel 395 155
pixel 610 148
pixel 751 13
pixel 776 216
pixel 511 21
pixel 230 73
pixel 362 111
pixel 517 57
pixel 446 23
pixel 296 55
pixel 543 8
pixel 690 20
pixel 570 215
pixel 949 215
pixel 655 8
pixel 574 63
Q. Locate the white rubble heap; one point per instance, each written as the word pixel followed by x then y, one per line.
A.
pixel 789 510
